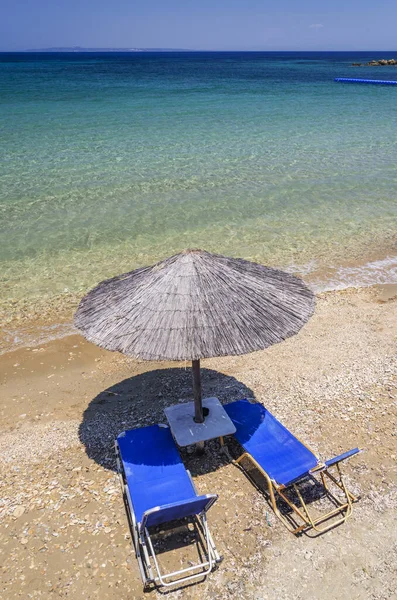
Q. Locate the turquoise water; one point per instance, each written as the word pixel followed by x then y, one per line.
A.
pixel 112 161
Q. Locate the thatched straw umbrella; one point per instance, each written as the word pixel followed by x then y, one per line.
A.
pixel 195 305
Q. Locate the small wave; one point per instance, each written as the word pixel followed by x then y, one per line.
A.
pixel 26 337
pixel 376 272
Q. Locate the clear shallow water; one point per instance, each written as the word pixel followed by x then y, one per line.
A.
pixel 111 161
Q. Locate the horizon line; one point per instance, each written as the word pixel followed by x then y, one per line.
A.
pixel 129 50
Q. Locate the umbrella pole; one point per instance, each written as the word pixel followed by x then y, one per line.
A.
pixel 198 406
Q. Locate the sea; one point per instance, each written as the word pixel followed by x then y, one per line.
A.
pixel 111 161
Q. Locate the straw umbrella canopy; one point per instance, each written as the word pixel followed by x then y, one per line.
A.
pixel 195 305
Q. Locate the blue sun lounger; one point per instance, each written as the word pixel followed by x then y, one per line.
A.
pixel 285 461
pixel 157 489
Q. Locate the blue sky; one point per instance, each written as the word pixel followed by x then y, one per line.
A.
pixel 200 24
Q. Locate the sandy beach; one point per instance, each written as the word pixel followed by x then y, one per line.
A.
pixel 63 531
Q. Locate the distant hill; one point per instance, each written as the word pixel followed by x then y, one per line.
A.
pixel 80 49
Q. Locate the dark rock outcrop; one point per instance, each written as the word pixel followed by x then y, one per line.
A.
pixel 383 62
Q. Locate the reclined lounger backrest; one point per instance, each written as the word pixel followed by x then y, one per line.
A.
pixel 275 449
pixel 178 510
pixel 154 471
pixel 149 453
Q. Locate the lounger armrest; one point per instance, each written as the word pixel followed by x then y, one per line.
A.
pixel 177 510
pixel 344 456
pixel 192 481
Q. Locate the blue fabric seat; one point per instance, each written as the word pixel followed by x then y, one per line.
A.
pixel 285 461
pixel 155 474
pixel 153 469
pixel 157 489
pixel 278 452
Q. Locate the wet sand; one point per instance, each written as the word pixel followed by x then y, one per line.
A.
pixel 63 530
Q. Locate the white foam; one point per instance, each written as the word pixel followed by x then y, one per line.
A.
pixel 376 272
pixel 24 338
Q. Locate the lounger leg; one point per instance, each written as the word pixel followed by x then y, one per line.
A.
pixel 340 483
pixel 313 523
pixel 271 490
pixel 330 494
pixel 308 521
pixel 207 565
pixel 143 561
pixel 200 522
pixel 216 556
pixel 302 516
pixel 344 509
pixel 303 504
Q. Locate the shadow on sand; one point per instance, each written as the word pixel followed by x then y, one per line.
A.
pixel 141 400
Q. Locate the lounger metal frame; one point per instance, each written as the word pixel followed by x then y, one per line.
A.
pixel 144 550
pixel 343 508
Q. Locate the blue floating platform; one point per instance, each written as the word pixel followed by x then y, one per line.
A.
pixel 378 81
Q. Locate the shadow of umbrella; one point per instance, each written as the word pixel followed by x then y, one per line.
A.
pixel 140 401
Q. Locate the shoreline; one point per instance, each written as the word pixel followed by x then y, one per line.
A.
pixel 38 332
pixel 39 322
